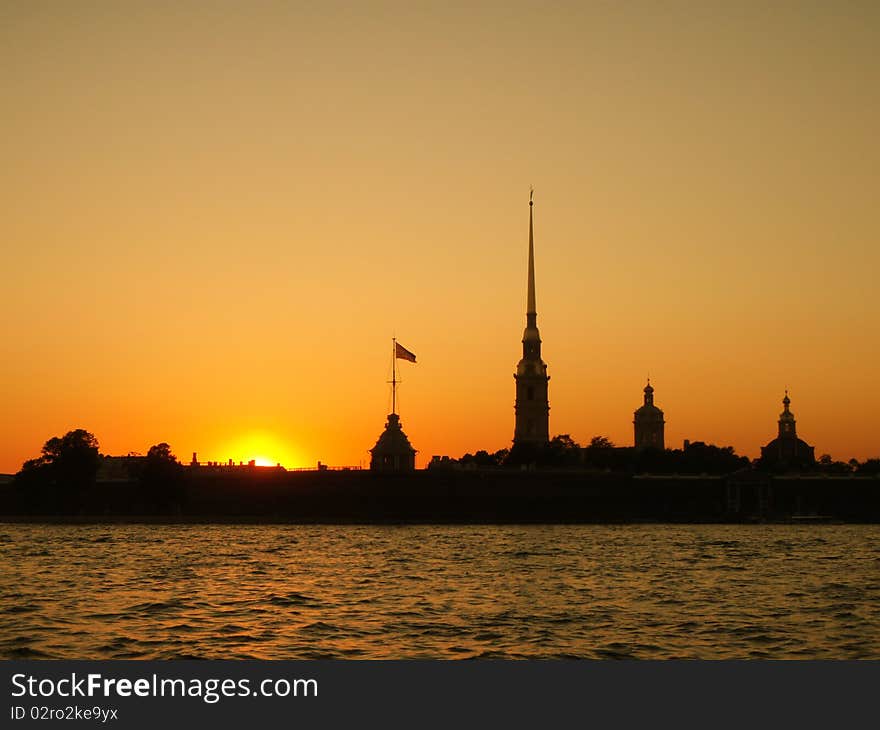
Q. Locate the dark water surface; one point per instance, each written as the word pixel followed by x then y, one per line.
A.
pixel 641 591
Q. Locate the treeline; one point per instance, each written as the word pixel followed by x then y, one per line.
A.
pixel 68 465
pixel 73 461
pixel 601 454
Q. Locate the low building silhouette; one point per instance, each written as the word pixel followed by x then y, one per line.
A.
pixel 120 468
pixel 787 451
pixel 648 423
pixel 393 451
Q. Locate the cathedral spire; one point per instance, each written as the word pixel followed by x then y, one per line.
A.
pixel 531 312
pixel 532 407
pixel 531 336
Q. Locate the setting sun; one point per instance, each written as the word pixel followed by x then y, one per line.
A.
pixel 263 448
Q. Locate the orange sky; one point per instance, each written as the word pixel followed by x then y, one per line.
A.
pixel 217 214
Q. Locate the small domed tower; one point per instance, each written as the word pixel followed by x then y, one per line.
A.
pixel 393 451
pixel 787 451
pixel 648 423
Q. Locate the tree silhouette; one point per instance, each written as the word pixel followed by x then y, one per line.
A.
pixel 603 454
pixel 827 465
pixel 161 454
pixel 71 461
pixel 702 458
pixel 483 458
pixel 162 477
pixel 563 450
pixel 869 468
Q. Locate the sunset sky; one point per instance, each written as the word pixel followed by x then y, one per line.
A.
pixel 216 215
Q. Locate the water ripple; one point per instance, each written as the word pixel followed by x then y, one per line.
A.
pixel 263 592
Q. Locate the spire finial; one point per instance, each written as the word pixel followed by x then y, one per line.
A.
pixel 530 308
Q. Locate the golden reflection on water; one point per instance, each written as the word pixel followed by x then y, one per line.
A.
pixel 640 591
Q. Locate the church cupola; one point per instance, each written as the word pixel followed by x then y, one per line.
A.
pixel 787 425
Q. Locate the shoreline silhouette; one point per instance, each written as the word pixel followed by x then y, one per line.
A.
pixel 478 496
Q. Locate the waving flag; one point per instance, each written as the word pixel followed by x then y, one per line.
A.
pixel 401 353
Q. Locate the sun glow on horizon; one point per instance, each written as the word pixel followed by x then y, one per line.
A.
pixel 261 447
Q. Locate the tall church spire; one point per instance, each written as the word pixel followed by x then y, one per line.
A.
pixel 531 312
pixel 531 338
pixel 532 407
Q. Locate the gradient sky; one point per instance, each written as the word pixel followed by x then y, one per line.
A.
pixel 217 214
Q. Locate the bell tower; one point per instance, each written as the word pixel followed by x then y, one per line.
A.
pixel 787 424
pixel 532 409
pixel 648 423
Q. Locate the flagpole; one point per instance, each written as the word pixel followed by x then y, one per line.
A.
pixel 394 375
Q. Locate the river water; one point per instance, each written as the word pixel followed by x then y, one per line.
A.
pixel 292 592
